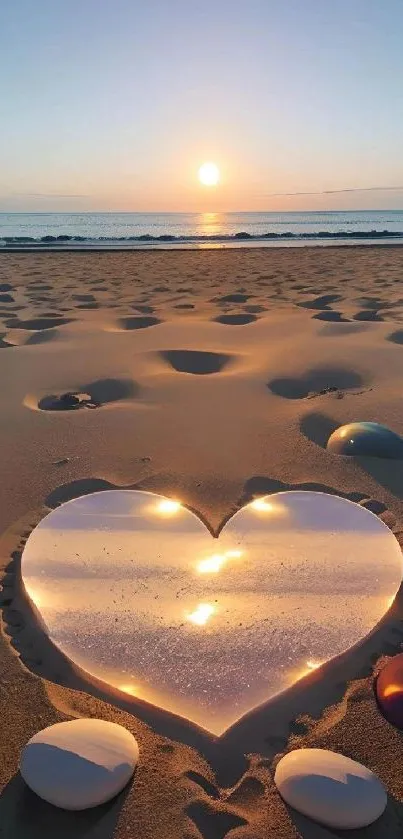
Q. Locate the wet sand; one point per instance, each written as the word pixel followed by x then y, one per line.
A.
pixel 214 376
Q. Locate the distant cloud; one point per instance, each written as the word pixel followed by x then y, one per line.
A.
pixel 336 191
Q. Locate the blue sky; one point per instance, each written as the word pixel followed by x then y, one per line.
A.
pixel 114 105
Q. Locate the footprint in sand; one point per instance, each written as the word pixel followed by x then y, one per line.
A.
pixel 210 821
pixel 93 395
pixel 396 337
pixel 143 309
pixel 330 315
pixel 321 302
pixel 373 303
pixel 83 298
pixel 235 320
pixel 368 315
pixel 39 298
pixel 8 314
pixel 138 322
pixel 196 361
pixel 237 297
pixel 253 310
pixel 196 778
pixel 319 381
pixel 37 323
pixel 317 428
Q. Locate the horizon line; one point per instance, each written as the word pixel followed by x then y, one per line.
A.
pixel 200 212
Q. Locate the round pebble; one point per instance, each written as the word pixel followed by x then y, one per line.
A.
pixel 330 789
pixel 389 691
pixel 366 439
pixel 79 764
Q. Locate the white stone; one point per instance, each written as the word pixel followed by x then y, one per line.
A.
pixel 330 789
pixel 79 764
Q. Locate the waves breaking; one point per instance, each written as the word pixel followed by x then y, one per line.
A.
pixel 148 238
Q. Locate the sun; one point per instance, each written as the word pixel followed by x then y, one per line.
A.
pixel 209 174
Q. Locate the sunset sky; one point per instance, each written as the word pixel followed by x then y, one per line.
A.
pixel 115 105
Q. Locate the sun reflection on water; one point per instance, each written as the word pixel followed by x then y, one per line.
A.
pixel 210 224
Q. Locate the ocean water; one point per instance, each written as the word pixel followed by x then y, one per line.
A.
pixel 197 229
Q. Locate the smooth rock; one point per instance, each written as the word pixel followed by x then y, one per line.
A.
pixel 389 691
pixel 330 789
pixel 79 764
pixel 366 439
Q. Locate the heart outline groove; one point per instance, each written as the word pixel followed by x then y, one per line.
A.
pixel 132 590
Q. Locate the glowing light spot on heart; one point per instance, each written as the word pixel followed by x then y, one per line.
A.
pixel 214 563
pixel 211 565
pixel 37 598
pixel 201 615
pixel 262 505
pixel 132 689
pixel 313 665
pixel 168 507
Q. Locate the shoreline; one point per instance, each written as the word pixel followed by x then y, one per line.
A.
pixel 242 244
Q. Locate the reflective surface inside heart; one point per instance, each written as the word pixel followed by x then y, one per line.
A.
pixel 134 589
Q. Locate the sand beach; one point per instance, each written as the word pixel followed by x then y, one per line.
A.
pixel 215 376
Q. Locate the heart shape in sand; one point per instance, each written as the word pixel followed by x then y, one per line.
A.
pixel 134 589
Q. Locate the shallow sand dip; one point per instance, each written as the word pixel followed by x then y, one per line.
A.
pixel 211 377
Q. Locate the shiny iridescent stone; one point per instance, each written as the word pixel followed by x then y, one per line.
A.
pixel 389 691
pixel 366 439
